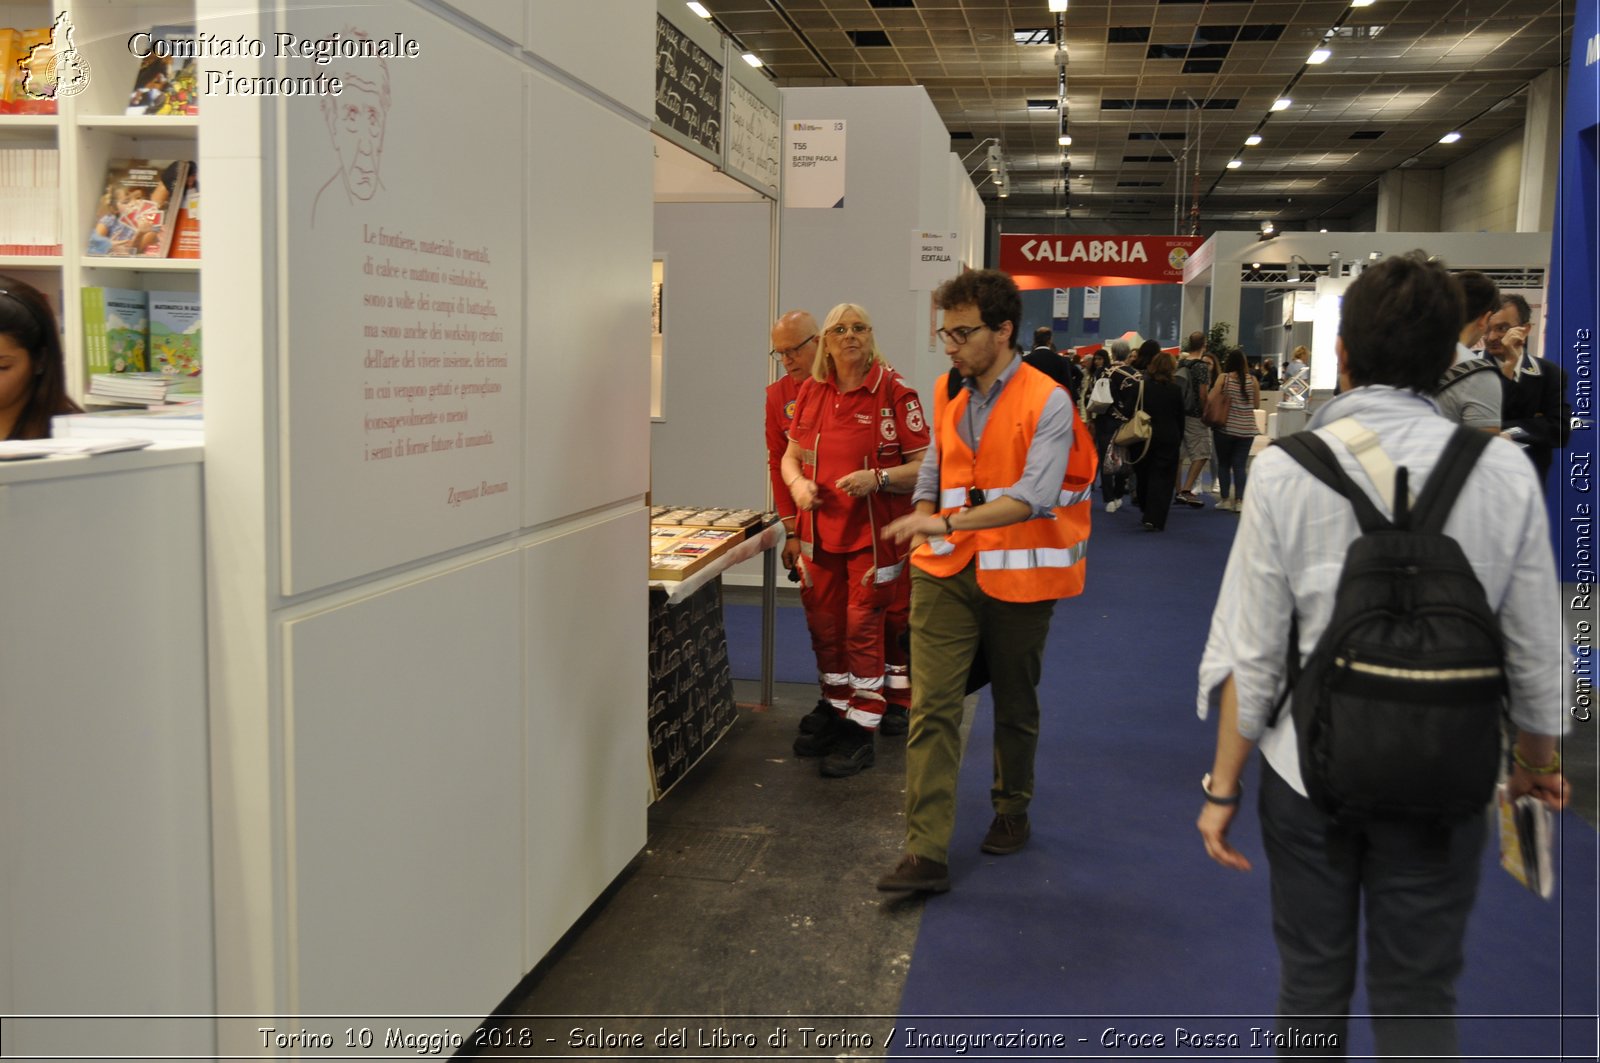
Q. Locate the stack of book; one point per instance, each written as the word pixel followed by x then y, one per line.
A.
pixel 131 389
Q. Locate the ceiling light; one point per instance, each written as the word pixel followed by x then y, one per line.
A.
pixel 1064 140
pixel 1002 193
pixel 699 9
pixel 1282 104
pixel 1360 3
pixel 1322 230
pixel 1252 140
pixel 1234 164
pixel 750 57
pixel 1321 55
pixel 1255 265
pixel 1450 138
pixel 1058 5
pixel 1268 229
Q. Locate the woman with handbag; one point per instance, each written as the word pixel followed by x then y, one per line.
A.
pixel 1123 378
pixel 1231 410
pixel 1157 472
pixel 855 445
pixel 1138 425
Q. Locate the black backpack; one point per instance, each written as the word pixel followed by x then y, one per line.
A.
pixel 1398 708
pixel 1194 375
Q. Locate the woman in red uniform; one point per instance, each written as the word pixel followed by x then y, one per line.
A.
pixel 855 447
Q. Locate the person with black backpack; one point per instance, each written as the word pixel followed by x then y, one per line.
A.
pixel 1409 561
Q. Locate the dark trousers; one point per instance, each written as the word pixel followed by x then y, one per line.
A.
pixel 1112 485
pixel 1157 480
pixel 1233 454
pixel 1417 884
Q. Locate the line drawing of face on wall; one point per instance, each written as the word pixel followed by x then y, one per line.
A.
pixel 357 120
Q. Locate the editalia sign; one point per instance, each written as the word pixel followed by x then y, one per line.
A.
pixel 1039 261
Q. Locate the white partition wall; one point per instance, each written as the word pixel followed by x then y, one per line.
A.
pixel 708 449
pixel 426 463
pixel 897 180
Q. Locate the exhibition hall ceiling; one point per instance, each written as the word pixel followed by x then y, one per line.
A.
pixel 1162 94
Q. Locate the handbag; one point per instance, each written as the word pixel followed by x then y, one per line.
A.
pixel 1100 397
pixel 1116 460
pixel 1215 411
pixel 1135 429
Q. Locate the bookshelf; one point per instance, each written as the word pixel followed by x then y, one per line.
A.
pixel 88 130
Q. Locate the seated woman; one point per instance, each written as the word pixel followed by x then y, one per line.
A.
pixel 33 374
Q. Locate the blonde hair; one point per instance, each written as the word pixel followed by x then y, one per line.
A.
pixel 1301 350
pixel 822 368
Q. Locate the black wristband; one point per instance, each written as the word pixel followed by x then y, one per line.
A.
pixel 1205 788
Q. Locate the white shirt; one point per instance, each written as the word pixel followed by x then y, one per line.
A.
pixel 1499 520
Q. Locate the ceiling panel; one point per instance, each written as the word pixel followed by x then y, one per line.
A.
pixel 1413 69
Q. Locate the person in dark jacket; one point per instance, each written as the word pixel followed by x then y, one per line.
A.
pixel 1157 473
pixel 1043 357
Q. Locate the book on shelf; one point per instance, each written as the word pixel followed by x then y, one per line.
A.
pixel 175 339
pixel 134 215
pixel 166 85
pixel 30 201
pixel 186 226
pixel 116 326
pixel 17 49
pixel 1525 830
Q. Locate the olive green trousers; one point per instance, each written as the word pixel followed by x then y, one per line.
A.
pixel 952 620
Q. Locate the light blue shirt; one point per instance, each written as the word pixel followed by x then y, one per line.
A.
pixel 1040 484
pixel 1291 545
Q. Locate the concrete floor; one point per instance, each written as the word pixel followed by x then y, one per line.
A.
pixel 752 909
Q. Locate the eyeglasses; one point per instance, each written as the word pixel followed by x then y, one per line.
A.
pixel 778 354
pixel 840 331
pixel 959 335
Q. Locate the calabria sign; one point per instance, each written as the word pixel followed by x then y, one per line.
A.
pixel 1038 261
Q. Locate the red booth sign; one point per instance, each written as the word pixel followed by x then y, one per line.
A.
pixel 1037 260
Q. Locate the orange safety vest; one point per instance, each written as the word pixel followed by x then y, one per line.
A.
pixel 1033 560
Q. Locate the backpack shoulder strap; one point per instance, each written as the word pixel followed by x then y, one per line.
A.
pixel 1363 442
pixel 1439 494
pixel 953 384
pixel 1461 370
pixel 1316 457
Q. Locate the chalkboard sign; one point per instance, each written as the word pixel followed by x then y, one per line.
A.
pixel 688 87
pixel 691 686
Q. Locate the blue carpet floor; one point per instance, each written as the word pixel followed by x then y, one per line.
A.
pixel 1113 918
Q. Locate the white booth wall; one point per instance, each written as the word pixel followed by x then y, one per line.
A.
pixel 427 716
pixel 707 448
pixel 899 179
pixel 1212 276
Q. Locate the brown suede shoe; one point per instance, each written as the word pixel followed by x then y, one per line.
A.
pixel 1007 834
pixel 916 874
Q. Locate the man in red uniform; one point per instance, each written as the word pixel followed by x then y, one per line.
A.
pixel 795 338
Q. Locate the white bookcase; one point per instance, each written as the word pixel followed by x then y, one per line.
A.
pixel 88 130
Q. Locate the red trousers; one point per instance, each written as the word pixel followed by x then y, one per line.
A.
pixel 857 631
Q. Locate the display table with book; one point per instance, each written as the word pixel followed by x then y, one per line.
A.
pixel 691 686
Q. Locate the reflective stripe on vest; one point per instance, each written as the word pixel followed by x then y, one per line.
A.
pixel 956 497
pixel 1038 557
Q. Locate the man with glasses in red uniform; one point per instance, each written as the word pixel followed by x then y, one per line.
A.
pixel 794 347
